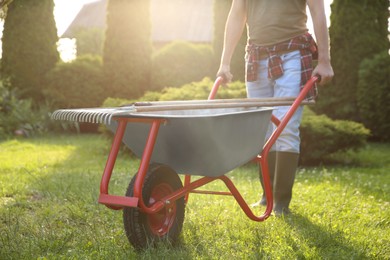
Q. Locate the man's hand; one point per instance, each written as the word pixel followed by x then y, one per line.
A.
pixel 224 72
pixel 325 71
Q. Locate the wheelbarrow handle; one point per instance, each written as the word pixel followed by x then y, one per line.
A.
pixel 218 82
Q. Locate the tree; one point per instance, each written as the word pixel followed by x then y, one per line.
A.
pixel 29 46
pixel 358 30
pixel 127 48
pixel 221 11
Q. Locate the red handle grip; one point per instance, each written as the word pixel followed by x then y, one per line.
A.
pixel 218 82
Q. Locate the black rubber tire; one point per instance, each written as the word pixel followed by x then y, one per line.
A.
pixel 141 229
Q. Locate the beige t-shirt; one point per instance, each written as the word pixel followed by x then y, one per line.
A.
pixel 273 21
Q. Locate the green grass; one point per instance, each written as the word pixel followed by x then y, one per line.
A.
pixel 48 208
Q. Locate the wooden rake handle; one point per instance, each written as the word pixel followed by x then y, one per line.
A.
pixel 213 104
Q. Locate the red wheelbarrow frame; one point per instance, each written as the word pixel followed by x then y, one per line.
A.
pixel 119 202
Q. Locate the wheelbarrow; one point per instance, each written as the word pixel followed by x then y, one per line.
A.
pixel 206 138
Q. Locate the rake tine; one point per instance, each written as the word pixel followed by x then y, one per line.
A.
pixel 96 118
pixel 53 115
pixel 64 115
pixel 59 115
pixel 101 117
pixel 71 116
pixel 81 117
pixel 67 114
pixel 74 116
pixel 85 116
pixel 90 117
pixel 104 118
pixel 108 118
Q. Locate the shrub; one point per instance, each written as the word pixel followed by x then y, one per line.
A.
pixel 17 116
pixel 321 137
pixel 179 63
pixel 374 95
pixel 191 91
pixel 117 102
pixel 76 84
pixel 197 90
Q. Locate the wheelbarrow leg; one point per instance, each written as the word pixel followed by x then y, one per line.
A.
pixel 103 198
pixel 145 161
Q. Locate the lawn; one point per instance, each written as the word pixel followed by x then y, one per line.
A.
pixel 48 208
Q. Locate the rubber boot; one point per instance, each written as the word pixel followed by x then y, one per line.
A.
pixel 271 171
pixel 286 167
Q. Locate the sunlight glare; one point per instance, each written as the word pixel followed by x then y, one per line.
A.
pixel 67 49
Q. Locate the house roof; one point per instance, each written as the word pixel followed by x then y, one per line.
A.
pixel 188 20
pixel 92 15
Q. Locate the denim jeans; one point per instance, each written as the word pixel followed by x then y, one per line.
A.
pixel 288 85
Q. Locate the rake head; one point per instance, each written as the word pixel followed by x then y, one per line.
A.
pixel 89 115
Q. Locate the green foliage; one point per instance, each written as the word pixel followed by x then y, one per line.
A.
pixel 76 84
pixel 321 137
pixel 359 30
pixel 180 62
pixel 199 90
pixel 374 95
pixel 191 91
pixel 237 66
pixel 29 46
pixel 127 48
pixel 89 41
pixel 17 116
pixel 116 102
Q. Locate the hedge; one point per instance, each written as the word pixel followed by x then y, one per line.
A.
pixel 180 62
pixel 18 116
pixel 374 95
pixel 322 137
pixel 76 84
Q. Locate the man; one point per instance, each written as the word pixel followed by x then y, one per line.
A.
pixel 278 63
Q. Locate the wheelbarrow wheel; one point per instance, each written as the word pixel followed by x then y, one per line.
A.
pixel 144 230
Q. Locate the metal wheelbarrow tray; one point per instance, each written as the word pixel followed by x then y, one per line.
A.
pixel 205 138
pixel 206 142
